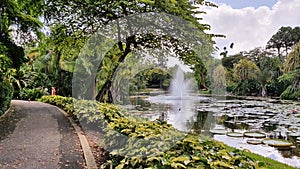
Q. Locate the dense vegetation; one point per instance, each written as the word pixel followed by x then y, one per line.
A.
pixel 32 61
pixel 266 71
pixel 23 19
pixel 137 143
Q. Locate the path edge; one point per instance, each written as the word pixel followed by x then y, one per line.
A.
pixel 87 152
pixel 7 111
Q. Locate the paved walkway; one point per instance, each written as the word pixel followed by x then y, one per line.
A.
pixel 35 136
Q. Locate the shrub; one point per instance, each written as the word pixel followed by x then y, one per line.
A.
pixel 247 87
pixel 138 143
pixel 6 93
pixel 290 94
pixel 31 94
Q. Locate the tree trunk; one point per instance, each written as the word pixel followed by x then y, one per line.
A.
pixel 203 81
pixel 58 71
pixel 105 90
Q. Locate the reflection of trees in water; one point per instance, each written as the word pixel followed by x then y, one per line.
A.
pixel 202 120
pixel 287 152
pixel 236 125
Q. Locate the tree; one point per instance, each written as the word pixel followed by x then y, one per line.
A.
pixel 292 65
pixel 245 73
pixel 200 73
pixel 81 19
pixel 229 62
pixel 285 38
pixel 293 59
pixel 16 21
pixel 270 70
pixel 219 80
pixel 16 14
pixel 257 54
pixel 245 69
pixel 292 74
pixel 264 77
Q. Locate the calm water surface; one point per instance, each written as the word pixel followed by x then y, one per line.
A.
pixel 277 119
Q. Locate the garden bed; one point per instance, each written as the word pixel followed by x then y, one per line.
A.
pixel 173 149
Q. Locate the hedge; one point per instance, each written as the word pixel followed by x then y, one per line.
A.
pixel 6 94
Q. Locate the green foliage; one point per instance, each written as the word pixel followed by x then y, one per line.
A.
pixel 5 63
pixel 245 73
pixel 290 93
pixel 188 151
pixel 247 88
pixel 276 87
pixel 151 78
pixel 14 13
pixel 229 62
pixel 31 94
pixel 245 69
pixel 19 15
pixel 292 75
pixel 200 74
pixel 6 93
pixel 91 16
pixel 284 38
pixel 219 80
pixel 293 59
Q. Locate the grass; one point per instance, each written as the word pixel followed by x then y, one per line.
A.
pixel 264 161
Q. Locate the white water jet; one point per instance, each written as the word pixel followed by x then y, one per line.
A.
pixel 181 99
pixel 182 104
pixel 179 87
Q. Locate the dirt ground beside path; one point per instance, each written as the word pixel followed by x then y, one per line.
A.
pixel 37 135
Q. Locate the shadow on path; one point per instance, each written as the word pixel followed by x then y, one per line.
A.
pixel 35 136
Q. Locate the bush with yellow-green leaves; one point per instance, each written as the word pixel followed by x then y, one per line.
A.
pixel 144 141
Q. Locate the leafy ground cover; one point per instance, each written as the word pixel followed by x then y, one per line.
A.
pixel 137 143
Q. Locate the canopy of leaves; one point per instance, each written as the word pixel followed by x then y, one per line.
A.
pixel 245 69
pixel 229 62
pixel 285 38
pixel 219 80
pixel 74 21
pixel 133 25
pixel 20 18
pixel 293 59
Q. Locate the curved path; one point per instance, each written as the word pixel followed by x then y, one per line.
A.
pixel 35 135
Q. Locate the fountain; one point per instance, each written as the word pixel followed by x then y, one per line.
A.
pixel 258 125
pixel 180 99
pixel 180 90
pixel 179 87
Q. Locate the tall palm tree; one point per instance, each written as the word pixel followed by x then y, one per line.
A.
pixel 292 65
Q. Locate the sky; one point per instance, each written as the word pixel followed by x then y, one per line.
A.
pixel 250 23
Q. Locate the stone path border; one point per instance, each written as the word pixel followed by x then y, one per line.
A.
pixel 8 110
pixel 88 155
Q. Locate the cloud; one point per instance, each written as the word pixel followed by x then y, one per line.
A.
pixel 251 27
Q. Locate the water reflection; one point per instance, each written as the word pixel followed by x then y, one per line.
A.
pixel 203 115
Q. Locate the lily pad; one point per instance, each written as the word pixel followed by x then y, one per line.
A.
pixel 277 142
pixel 296 134
pixel 234 134
pixel 254 141
pixel 255 134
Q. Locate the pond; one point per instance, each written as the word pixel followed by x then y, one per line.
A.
pixel 226 119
